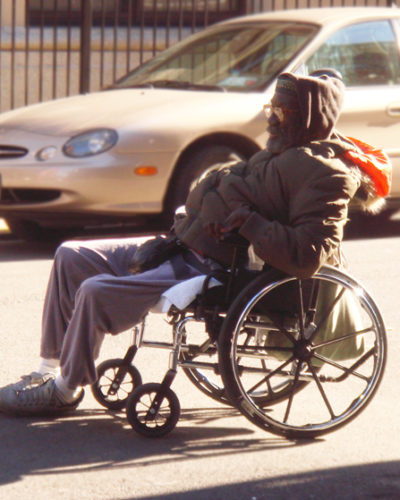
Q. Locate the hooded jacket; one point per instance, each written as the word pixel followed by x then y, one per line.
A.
pixel 320 100
pixel 299 199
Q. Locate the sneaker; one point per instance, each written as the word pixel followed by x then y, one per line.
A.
pixel 35 399
pixel 27 382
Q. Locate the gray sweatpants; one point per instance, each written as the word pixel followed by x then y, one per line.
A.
pixel 91 293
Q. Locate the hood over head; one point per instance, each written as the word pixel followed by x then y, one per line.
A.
pixel 320 97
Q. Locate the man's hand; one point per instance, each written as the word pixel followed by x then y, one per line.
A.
pixel 236 219
pixel 232 222
pixel 214 229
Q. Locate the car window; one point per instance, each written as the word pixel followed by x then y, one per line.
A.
pixel 240 58
pixel 365 54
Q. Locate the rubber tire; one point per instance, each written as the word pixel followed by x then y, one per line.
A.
pixel 100 397
pixel 141 427
pixel 31 231
pixel 198 163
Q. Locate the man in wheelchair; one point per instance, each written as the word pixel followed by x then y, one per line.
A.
pixel 290 202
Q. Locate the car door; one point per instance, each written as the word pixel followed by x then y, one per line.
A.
pixel 367 55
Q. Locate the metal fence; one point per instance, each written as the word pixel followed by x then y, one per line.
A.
pixel 56 48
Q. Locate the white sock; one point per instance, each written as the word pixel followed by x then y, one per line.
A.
pixel 49 366
pixel 66 394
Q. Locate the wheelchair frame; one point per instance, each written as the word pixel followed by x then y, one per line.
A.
pixel 272 367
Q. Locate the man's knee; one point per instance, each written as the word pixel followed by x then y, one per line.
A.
pixel 66 252
pixel 91 288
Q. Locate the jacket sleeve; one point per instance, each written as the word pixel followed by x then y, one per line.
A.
pixel 318 212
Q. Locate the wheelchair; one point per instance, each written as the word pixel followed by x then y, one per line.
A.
pixel 297 357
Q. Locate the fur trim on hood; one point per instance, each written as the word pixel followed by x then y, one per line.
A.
pixel 366 197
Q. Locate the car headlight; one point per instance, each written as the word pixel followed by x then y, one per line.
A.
pixel 90 143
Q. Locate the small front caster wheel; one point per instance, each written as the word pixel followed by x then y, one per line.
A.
pixel 153 411
pixel 115 381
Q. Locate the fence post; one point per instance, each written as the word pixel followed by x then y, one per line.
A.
pixel 86 31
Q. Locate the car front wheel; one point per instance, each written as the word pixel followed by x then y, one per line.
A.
pixel 31 231
pixel 194 168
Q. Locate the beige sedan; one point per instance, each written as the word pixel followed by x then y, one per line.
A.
pixel 130 153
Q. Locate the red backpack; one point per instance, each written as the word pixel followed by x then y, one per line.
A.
pixel 373 162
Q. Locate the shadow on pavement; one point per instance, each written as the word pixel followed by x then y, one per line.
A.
pixel 91 440
pixel 359 482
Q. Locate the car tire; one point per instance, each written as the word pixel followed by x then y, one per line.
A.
pixel 193 169
pixel 31 231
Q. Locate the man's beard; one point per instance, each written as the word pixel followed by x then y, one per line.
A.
pixel 278 143
pixel 282 138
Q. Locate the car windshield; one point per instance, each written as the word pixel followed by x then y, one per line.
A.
pixel 239 58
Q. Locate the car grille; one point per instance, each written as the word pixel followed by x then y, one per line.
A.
pixel 7 152
pixel 20 196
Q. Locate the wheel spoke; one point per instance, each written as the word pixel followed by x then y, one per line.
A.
pixel 343 338
pixel 321 390
pixel 311 307
pixel 290 400
pixel 347 370
pixel 271 374
pixel 267 382
pixel 327 313
pixel 122 389
pixel 300 307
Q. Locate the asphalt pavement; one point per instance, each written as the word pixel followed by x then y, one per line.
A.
pixel 214 452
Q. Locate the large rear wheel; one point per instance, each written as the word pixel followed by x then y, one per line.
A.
pixel 320 354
